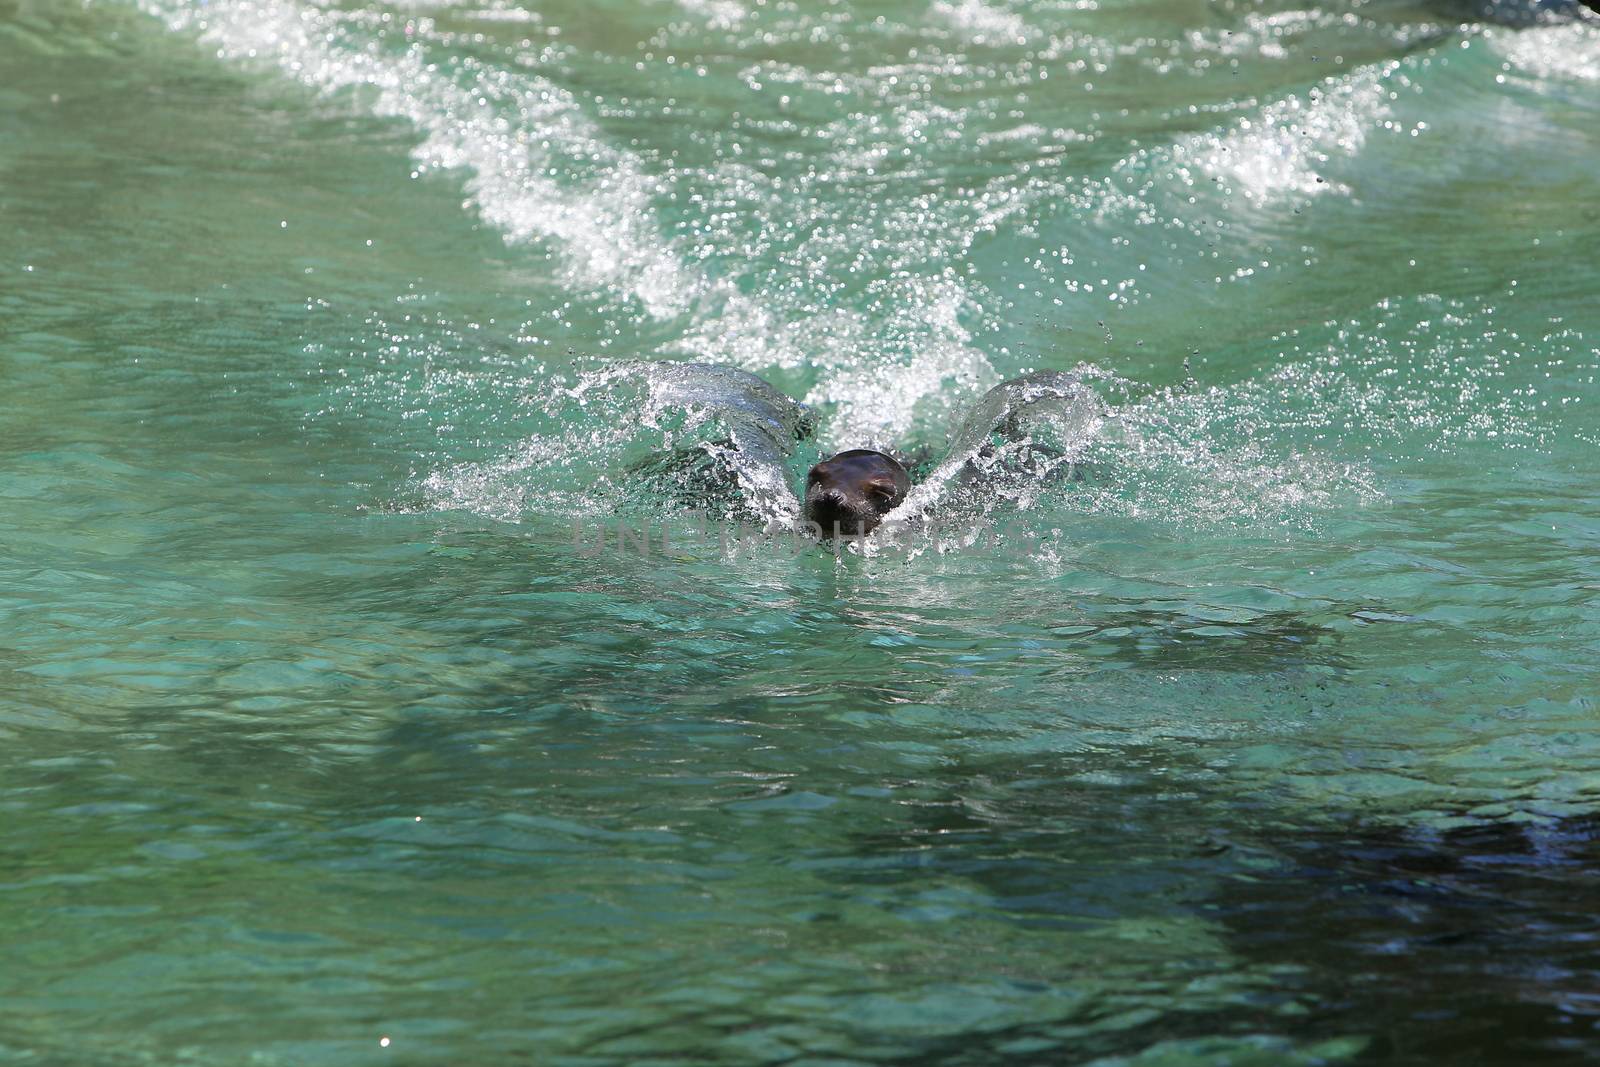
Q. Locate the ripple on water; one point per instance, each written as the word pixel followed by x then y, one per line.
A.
pixel 1302 676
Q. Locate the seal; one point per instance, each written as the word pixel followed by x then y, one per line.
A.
pixel 847 495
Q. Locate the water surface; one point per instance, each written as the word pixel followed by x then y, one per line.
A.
pixel 322 742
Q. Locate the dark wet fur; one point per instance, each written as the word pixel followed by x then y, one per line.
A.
pixel 850 493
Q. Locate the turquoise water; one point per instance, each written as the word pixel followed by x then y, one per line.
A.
pixel 322 742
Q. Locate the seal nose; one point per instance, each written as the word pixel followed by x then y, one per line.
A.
pixel 829 509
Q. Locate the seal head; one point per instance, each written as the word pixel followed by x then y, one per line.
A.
pixel 847 495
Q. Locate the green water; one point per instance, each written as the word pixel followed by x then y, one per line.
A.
pixel 322 743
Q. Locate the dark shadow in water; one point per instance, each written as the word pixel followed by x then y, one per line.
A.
pixel 1176 640
pixel 1058 854
pixel 1476 945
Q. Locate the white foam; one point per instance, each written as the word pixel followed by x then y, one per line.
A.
pixel 603 233
pixel 1284 149
pixel 1553 51
pixel 983 24
pixel 905 359
pixel 504 128
pixel 718 14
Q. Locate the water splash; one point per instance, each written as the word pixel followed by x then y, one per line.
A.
pixel 1012 445
pixel 601 228
pixel 539 169
pixel 1283 151
pixel 1569 52
pixel 983 23
pixel 638 435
